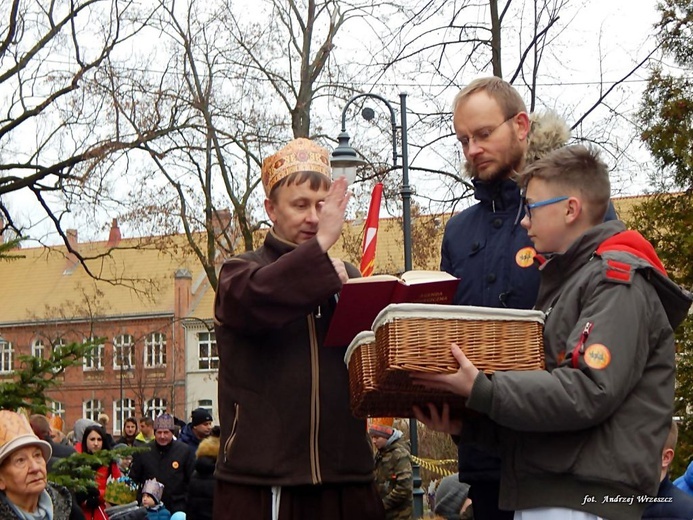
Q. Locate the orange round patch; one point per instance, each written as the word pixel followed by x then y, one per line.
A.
pixel 525 256
pixel 597 356
pixel 175 464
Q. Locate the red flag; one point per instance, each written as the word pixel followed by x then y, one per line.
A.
pixel 370 234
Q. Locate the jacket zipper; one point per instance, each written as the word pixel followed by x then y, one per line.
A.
pixel 314 403
pixel 232 435
pixel 580 347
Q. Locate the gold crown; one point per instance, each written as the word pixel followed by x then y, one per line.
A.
pixel 300 155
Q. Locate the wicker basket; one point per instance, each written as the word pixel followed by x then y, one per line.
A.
pixel 371 400
pixel 417 338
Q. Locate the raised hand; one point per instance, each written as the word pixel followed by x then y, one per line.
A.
pixel 332 214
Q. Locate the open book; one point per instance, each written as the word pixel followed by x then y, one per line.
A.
pixel 361 299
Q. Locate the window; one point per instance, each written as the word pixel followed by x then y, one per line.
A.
pixel 155 350
pixel 122 410
pixel 91 410
pixel 58 409
pixel 207 351
pixel 6 356
pixel 155 407
pixel 123 351
pixel 38 348
pixel 94 359
pixel 56 345
pixel 206 404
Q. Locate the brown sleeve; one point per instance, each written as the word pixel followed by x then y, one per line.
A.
pixel 252 296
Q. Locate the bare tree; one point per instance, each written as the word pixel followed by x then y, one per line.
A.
pixel 59 137
pixel 234 90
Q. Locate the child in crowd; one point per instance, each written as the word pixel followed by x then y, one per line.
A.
pixel 151 499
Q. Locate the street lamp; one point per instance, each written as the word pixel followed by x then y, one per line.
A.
pixel 345 160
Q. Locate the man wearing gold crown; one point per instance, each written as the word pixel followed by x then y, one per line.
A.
pixel 291 449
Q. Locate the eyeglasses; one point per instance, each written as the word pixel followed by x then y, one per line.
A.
pixel 483 134
pixel 547 202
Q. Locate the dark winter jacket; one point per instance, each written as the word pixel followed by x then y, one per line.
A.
pixel 64 505
pixel 187 436
pixel 594 422
pixel 489 251
pixel 200 502
pixel 284 399
pixel 172 465
pixel 671 504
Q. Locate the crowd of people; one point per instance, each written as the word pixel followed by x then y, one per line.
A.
pixel 167 478
pixel 584 439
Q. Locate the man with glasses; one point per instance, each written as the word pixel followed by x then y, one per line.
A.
pixel 581 439
pixel 484 245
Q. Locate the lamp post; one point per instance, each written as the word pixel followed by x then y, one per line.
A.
pixel 345 160
pixel 120 408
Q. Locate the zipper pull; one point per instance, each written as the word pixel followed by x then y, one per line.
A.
pixel 580 347
pixel 319 313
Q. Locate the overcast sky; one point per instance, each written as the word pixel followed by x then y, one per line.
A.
pixel 604 40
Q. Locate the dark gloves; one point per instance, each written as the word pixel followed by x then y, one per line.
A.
pixel 91 498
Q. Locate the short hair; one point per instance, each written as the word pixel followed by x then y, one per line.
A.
pixel 147 420
pixel 317 181
pixel 41 426
pixel 673 436
pixel 501 91
pixel 575 167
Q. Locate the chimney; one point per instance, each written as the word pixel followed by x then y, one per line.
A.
pixel 224 233
pixel 71 258
pixel 221 222
pixel 114 235
pixel 183 293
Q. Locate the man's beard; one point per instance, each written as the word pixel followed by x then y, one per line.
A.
pixel 510 163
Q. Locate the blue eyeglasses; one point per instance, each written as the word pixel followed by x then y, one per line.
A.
pixel 547 202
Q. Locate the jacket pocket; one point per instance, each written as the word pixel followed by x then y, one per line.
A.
pixel 253 446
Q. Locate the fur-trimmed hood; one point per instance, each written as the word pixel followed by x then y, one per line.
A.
pixel 208 447
pixel 548 132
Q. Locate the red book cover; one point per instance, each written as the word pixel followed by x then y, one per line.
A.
pixel 361 299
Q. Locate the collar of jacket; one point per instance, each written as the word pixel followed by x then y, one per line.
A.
pixel 500 195
pixel 278 246
pixel 580 251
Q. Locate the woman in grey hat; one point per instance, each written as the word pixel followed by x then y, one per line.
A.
pixel 25 493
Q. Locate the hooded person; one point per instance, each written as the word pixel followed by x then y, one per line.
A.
pixel 200 501
pixel 24 490
pixel 450 497
pixel 393 471
pixel 199 428
pixel 78 431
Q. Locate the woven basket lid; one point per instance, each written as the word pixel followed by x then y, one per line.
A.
pixel 362 338
pixel 453 312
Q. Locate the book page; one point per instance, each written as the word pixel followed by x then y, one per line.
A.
pixel 374 278
pixel 422 276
